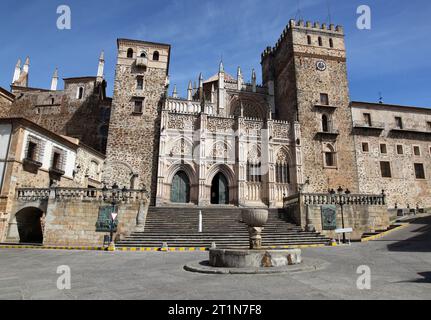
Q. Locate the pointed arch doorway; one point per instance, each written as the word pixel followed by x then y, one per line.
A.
pixel 180 189
pixel 220 190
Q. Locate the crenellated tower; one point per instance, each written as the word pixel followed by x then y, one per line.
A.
pixel 307 72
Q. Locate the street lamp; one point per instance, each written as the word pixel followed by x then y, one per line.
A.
pixel 341 202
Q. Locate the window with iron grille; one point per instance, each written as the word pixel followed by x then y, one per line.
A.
pixel 34 149
pixel 58 159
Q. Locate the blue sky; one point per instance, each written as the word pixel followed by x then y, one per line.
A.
pixel 393 57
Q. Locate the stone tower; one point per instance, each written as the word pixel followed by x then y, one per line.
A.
pixel 307 71
pixel 140 88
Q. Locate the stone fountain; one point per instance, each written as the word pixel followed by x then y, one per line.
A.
pixel 256 256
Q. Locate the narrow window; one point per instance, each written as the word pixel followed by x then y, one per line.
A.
pixel 325 123
pixel 320 41
pixel 331 43
pixel 32 151
pixel 417 150
pixel 80 93
pixel 365 147
pixel 130 53
pixel 324 99
pixel 419 171
pixel 385 167
pixel 156 56
pixel 309 39
pixel 330 156
pixel 429 125
pixel 52 100
pixel 400 149
pixel 143 54
pixel 399 122
pixel 56 164
pixel 367 119
pixel 138 106
pixel 383 149
pixel 140 83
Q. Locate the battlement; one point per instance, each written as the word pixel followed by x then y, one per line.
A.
pixel 307 27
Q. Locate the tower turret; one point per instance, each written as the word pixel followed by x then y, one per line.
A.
pixel 17 72
pixel 101 67
pixel 54 81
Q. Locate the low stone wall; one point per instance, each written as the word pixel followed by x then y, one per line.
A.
pixel 361 219
pixel 362 213
pixel 71 215
pixel 73 223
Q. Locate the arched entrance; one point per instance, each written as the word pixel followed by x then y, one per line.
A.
pixel 30 225
pixel 180 189
pixel 220 190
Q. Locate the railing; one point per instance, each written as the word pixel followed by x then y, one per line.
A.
pixel 254 191
pixel 185 106
pixel 83 194
pixel 141 61
pixel 363 124
pixel 352 199
pixel 30 194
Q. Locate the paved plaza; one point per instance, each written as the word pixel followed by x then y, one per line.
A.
pixel 400 267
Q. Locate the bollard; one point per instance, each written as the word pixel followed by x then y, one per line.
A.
pixel 200 222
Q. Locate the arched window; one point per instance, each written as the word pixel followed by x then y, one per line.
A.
pixel 254 172
pixel 282 168
pixel 320 41
pixel 156 56
pixel 80 93
pixel 331 43
pixel 330 156
pixel 143 54
pixel 130 53
pixel 325 123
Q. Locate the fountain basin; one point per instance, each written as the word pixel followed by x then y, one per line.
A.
pixel 232 258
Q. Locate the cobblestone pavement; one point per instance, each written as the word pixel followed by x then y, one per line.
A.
pixel 400 269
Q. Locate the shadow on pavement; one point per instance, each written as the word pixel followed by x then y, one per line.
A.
pixel 420 240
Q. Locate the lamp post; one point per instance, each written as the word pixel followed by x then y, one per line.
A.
pixel 341 201
pixel 114 215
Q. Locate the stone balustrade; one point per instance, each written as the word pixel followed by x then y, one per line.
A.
pixel 82 194
pixel 352 199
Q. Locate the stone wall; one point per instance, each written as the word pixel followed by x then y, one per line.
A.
pixel 363 213
pixel 61 112
pixel 292 64
pixel 73 223
pixel 403 189
pixel 133 143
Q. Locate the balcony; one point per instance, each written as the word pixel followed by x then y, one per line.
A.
pixel 56 172
pixel 410 130
pixel 325 106
pixel 380 126
pixel 330 134
pixel 142 62
pixel 31 165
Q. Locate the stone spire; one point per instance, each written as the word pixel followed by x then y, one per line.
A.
pixel 240 79
pixel 221 67
pixel 201 86
pixel 100 69
pixel 17 72
pixel 175 93
pixel 212 93
pixel 54 81
pixel 25 70
pixel 253 80
pixel 190 92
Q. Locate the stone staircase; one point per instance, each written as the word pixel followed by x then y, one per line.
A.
pixel 178 227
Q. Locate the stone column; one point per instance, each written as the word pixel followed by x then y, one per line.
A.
pixel 202 171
